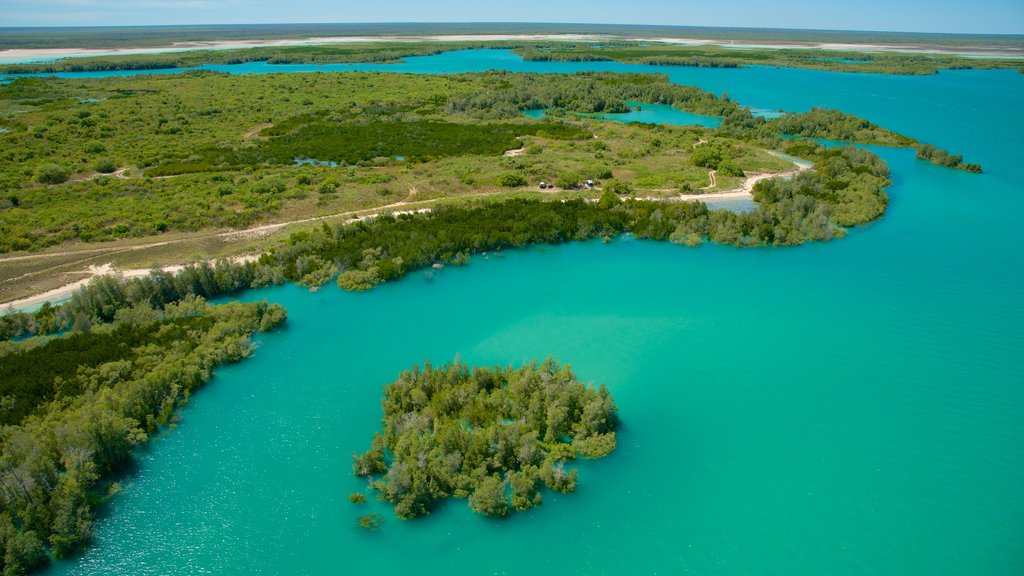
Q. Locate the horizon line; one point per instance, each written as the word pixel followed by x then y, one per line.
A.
pixel 510 23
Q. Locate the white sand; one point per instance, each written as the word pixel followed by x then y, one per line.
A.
pixel 63 292
pixel 28 55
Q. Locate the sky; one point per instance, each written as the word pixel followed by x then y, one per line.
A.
pixel 974 16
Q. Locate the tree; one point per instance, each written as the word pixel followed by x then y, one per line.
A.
pixel 706 156
pixel 489 497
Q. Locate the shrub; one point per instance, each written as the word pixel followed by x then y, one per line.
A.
pixel 104 165
pixel 567 181
pixel 51 174
pixel 511 180
pixel 706 156
pixel 729 168
pixel 618 187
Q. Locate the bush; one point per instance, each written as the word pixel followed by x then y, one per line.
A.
pixel 567 181
pixel 51 174
pixel 729 168
pixel 706 156
pixel 618 187
pixel 104 166
pixel 511 180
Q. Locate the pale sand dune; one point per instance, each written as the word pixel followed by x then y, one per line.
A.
pixel 27 55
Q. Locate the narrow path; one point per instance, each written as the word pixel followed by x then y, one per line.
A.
pixel 255 131
pixel 745 190
pixel 254 232
pixel 422 206
pixel 90 251
pixel 713 176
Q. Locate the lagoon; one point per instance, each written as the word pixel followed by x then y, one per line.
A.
pixel 843 408
pixel 647 113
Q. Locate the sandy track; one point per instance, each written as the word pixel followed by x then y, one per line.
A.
pixel 404 206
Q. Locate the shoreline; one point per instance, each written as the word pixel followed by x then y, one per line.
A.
pixel 43 55
pixel 62 293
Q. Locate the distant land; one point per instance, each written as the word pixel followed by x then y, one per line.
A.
pixel 156 36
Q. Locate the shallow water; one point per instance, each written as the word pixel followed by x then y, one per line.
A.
pixel 647 113
pixel 661 114
pixel 843 408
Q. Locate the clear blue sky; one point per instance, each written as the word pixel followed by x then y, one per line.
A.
pixel 966 16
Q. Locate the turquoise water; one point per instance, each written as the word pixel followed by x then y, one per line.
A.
pixel 845 408
pixel 661 114
pixel 649 114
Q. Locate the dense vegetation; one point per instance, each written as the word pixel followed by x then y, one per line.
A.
pixel 621 50
pixel 74 406
pixel 493 436
pixel 232 144
pixel 508 94
pixel 835 125
pixel 944 158
pixel 381 52
pixel 878 62
pixel 361 143
pixel 845 188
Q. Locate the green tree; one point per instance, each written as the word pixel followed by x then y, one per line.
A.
pixel 489 497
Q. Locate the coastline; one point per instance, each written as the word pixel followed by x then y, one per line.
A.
pixel 61 293
pixel 40 55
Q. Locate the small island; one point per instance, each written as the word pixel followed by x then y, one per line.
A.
pixel 492 435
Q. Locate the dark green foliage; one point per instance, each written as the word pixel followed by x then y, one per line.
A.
pixel 357 498
pixel 106 391
pixel 512 180
pixel 729 168
pixel 835 125
pixel 506 94
pixel 359 143
pixel 455 431
pixel 105 297
pixel 192 126
pixel 847 181
pixel 706 156
pixel 104 166
pixel 645 52
pixel 845 189
pixel 944 158
pixel 488 497
pixel 568 181
pixel 36 376
pixel 617 187
pixel 50 173
pixel 23 551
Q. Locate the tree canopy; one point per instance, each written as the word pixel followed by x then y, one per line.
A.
pixel 491 435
